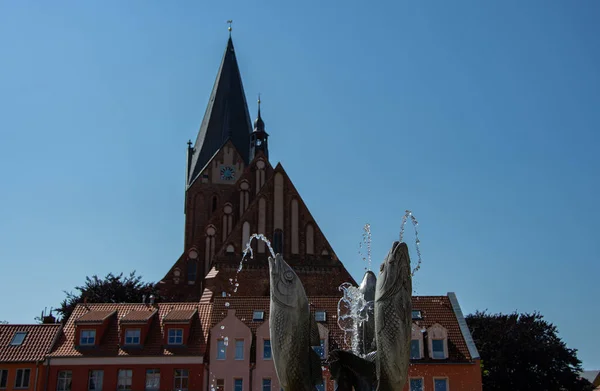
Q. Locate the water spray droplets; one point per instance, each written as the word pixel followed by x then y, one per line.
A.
pixel 408 214
pixel 366 242
pixel 351 313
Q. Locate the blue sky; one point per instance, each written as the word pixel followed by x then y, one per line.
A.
pixel 481 117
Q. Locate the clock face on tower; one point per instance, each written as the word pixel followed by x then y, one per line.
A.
pixel 227 173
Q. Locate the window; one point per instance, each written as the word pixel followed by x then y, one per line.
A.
pixel 278 241
pixel 320 316
pixel 95 380
pixel 320 349
pixel 125 379
pixel 437 346
pixel 152 379
pixel 220 385
pixel 132 336
pixel 18 338
pixel 440 385
pixel 258 316
pixel 181 379
pixel 221 349
pixel 239 349
pixel 415 349
pixel 175 337
pixel 416 314
pixel 3 378
pixel 87 337
pixel 266 385
pixel 320 387
pixel 238 385
pixel 191 270
pixel 416 385
pixel 214 203
pixel 267 349
pixel 22 379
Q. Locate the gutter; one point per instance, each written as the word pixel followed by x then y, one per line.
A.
pixel 462 323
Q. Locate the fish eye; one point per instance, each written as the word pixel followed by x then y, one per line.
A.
pixel 288 275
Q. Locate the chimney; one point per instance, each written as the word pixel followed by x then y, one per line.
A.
pixel 48 319
pixel 151 299
pixel 143 299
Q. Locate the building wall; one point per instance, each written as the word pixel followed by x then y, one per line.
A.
pixel 463 377
pixel 264 369
pixel 80 374
pixel 229 369
pixel 12 373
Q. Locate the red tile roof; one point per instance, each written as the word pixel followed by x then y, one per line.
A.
pixel 438 309
pixel 37 343
pixel 180 315
pixel 94 316
pixel 153 345
pixel 139 316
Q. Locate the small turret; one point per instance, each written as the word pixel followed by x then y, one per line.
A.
pixel 259 137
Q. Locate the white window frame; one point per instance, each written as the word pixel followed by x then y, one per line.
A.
pixel 416 378
pixel 178 379
pixel 23 384
pixel 318 317
pixel 270 350
pixel 154 373
pixel 236 357
pixel 85 335
pixel 137 334
pixel 125 379
pixel 98 380
pixel 441 378
pixel 177 339
pixel 433 351
pixel 221 344
pixel 64 381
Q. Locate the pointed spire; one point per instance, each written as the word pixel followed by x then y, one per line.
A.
pixel 259 138
pixel 226 115
pixel 259 125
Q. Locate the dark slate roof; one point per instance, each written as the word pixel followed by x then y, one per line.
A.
pixel 226 116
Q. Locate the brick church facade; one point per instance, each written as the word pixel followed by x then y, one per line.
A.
pixel 205 332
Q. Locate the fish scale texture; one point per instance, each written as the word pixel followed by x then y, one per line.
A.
pixel 393 343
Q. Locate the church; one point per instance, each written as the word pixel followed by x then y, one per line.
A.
pixel 209 329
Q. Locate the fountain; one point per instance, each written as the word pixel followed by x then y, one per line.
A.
pixel 377 332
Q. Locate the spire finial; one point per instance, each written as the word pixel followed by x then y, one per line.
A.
pixel 259 100
pixel 229 22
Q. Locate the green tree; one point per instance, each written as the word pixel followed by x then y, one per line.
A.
pixel 110 289
pixel 524 352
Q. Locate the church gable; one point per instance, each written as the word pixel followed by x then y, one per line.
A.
pixel 279 212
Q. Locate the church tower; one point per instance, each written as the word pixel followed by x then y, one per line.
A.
pixel 233 191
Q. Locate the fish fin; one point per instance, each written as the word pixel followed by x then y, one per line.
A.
pixel 371 357
pixel 363 368
pixel 315 338
pixel 316 375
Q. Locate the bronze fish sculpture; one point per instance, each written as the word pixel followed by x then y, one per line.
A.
pixel 293 330
pixel 393 319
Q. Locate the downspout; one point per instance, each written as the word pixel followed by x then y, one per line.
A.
pixel 47 374
pixel 252 367
pixel 37 367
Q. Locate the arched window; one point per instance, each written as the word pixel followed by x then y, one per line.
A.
pixel 278 241
pixel 191 271
pixel 209 250
pixel 310 239
pixel 245 234
pixel 214 203
pixel 230 249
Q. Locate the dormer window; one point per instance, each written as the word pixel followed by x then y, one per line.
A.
pixel 175 337
pixel 437 347
pixel 416 315
pixel 320 316
pixel 437 336
pixel 18 338
pixel 87 337
pixel 132 336
pixel 258 316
